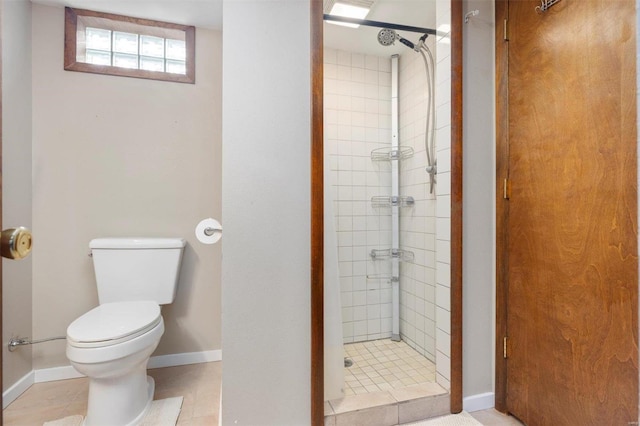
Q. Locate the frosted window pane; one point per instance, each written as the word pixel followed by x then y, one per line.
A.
pixel 98 57
pixel 152 46
pixel 176 50
pixel 176 67
pixel 125 61
pixel 151 64
pixel 125 43
pixel 98 39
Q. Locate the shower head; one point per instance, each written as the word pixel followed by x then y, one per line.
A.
pixel 387 37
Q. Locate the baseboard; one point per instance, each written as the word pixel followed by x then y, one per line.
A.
pixel 17 389
pixel 173 360
pixel 482 401
pixel 68 372
pixel 56 373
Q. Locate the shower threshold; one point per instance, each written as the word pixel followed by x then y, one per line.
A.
pixel 389 383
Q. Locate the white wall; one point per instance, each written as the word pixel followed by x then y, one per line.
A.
pixel 357 120
pixel 266 193
pixel 16 180
pixel 479 200
pixel 116 156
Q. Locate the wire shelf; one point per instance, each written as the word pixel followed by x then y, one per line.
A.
pixel 386 154
pixel 383 201
pixel 402 255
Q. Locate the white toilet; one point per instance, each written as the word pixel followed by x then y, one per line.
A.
pixel 111 344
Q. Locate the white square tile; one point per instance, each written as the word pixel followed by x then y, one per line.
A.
pixel 443 251
pixel 359 298
pixel 371 77
pixel 371 62
pixel 357 131
pixel 344 73
pixel 344 102
pixel 357 60
pixel 360 313
pixel 443 342
pixel 359 282
pixel 443 297
pixel 343 58
pixel 360 328
pixel 358 75
pixel 347 301
pixel 357 89
pixel 443 274
pixel 443 320
pixel 443 229
pixel 384 63
pixel 346 284
pixel 330 72
pixel 330 56
pixel 443 365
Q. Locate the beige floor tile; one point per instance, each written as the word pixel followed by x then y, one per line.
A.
pixel 493 417
pixel 198 384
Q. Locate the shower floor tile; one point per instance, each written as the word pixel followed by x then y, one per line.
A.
pixel 383 365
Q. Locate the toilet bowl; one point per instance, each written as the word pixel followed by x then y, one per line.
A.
pixel 111 345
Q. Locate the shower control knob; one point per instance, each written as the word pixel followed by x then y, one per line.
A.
pixel 15 243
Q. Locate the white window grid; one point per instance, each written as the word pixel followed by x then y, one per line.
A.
pixel 135 51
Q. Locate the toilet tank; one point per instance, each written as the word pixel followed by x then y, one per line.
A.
pixel 130 269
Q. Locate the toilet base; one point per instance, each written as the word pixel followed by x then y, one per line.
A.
pixel 131 404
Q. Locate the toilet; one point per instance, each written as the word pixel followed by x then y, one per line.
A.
pixel 111 344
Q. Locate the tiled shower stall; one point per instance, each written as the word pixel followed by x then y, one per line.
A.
pixel 357 108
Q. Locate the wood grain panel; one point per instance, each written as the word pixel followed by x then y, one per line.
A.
pixel 317 217
pixel 572 228
pixel 456 206
pixel 1 187
pixel 502 205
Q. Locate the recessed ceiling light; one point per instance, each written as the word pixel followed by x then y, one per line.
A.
pixel 348 11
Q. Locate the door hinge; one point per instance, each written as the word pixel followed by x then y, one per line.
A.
pixel 505 30
pixel 506 189
pixel 504 347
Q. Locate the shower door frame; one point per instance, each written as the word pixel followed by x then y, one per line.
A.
pixel 317 212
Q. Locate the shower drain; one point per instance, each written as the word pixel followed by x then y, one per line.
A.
pixel 348 362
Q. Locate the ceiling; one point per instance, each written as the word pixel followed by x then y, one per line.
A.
pixel 208 14
pixel 418 13
pixel 199 13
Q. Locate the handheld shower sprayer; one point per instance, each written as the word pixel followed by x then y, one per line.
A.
pixel 387 37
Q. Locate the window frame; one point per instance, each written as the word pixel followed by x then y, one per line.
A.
pixel 70 48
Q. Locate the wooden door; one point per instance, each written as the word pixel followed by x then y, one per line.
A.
pixel 571 244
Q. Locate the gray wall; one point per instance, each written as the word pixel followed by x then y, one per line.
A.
pixel 16 180
pixel 479 199
pixel 116 156
pixel 266 192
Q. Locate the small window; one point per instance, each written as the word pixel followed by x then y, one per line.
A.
pixel 119 45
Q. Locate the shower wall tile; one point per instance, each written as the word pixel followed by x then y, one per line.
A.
pixel 357 121
pixel 417 223
pixel 443 221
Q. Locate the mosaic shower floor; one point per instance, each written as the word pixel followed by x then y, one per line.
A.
pixel 383 365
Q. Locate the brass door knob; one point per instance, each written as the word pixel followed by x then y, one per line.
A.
pixel 15 243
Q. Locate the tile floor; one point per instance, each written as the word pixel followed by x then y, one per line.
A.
pixel 382 365
pixel 199 384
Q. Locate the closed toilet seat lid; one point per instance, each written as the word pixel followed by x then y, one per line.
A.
pixel 112 322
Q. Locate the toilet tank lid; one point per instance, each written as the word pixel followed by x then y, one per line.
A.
pixel 137 243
